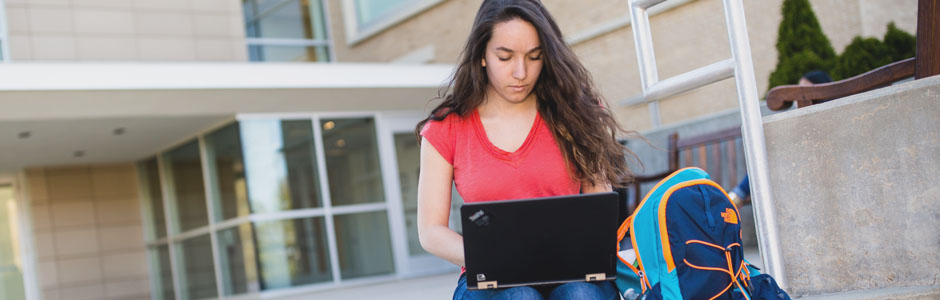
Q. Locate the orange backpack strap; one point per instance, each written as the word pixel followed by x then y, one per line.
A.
pixel 622 231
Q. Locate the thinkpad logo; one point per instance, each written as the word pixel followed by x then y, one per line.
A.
pixel 476 215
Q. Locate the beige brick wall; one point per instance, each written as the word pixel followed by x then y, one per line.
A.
pixel 875 14
pixel 88 235
pixel 444 27
pixel 576 16
pixel 687 37
pixel 842 20
pixel 126 30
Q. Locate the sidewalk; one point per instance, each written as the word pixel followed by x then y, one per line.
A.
pixel 436 287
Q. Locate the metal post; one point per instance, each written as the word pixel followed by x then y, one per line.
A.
pixel 754 144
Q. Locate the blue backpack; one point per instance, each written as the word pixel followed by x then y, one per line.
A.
pixel 686 240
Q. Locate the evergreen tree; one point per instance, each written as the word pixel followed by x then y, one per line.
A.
pixel 801 44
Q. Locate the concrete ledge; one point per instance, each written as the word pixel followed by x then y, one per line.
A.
pixel 856 186
pixel 897 293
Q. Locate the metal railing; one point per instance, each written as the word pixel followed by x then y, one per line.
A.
pixel 741 68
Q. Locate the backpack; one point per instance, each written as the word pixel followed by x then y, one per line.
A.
pixel 686 241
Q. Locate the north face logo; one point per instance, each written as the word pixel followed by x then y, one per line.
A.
pixel 730 216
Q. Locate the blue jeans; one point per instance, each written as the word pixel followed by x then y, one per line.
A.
pixel 603 290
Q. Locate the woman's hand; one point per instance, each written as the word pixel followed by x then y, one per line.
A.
pixel 434 187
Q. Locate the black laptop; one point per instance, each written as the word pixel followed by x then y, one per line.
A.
pixel 540 241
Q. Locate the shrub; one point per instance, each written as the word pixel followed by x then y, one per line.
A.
pixel 860 56
pixel 901 44
pixel 866 54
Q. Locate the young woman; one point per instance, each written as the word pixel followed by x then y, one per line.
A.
pixel 523 119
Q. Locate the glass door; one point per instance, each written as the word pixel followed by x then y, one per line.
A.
pixel 399 130
pixel 11 262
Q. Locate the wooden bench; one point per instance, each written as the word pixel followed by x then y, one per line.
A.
pixel 715 152
pixel 925 64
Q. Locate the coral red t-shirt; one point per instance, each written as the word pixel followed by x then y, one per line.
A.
pixel 483 172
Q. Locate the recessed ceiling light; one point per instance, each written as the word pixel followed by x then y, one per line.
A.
pixel 79 153
pixel 119 131
pixel 25 135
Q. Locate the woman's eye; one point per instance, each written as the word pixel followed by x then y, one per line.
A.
pixel 538 57
pixel 504 58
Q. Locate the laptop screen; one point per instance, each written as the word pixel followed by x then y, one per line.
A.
pixel 541 240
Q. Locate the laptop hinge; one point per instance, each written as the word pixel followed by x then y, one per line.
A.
pixel 595 277
pixel 486 285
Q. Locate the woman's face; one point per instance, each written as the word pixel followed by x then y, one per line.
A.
pixel 513 60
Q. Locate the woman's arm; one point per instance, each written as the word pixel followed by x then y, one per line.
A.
pixel 434 186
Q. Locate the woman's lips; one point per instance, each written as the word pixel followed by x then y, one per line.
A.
pixel 517 88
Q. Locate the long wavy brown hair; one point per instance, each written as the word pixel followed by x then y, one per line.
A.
pixel 585 129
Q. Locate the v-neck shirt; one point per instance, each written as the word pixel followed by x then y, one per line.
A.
pixel 484 172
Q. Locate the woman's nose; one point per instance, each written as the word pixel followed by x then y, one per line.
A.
pixel 518 71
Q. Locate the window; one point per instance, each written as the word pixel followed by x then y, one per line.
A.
pixel 4 48
pixel 355 181
pixel 188 197
pixel 364 18
pixel 224 155
pixel 265 204
pixel 11 259
pixel 161 277
pixel 408 156
pixel 197 279
pixel 152 195
pixel 287 30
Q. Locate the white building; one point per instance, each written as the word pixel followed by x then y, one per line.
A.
pixel 146 154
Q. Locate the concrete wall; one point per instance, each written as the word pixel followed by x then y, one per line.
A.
pixel 855 188
pixel 126 30
pixel 88 235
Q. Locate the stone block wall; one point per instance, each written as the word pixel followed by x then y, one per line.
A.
pixel 87 232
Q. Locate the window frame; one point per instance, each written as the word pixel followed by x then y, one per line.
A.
pixel 355 35
pixel 288 42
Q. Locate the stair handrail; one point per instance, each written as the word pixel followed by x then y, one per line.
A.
pixel 741 67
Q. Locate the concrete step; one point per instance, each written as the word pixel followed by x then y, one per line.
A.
pixel 893 293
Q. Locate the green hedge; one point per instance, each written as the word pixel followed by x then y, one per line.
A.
pixel 802 47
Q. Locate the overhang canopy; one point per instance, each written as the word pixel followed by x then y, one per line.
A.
pixel 64 108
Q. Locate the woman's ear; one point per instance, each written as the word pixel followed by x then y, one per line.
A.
pixel 484 62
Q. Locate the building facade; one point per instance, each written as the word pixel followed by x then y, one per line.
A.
pixel 146 153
